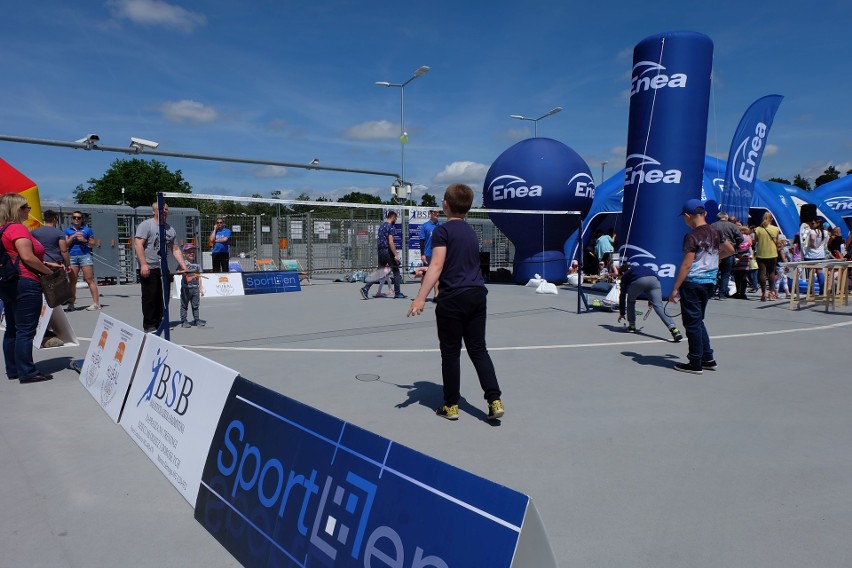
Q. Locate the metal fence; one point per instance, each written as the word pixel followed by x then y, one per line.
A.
pixel 328 245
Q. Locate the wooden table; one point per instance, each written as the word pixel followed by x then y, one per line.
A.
pixel 835 284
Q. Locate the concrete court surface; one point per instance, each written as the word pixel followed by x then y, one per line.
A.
pixel 629 462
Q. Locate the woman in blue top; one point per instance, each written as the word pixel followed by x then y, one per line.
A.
pixel 80 240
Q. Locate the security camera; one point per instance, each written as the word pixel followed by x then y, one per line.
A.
pixel 140 143
pixel 88 141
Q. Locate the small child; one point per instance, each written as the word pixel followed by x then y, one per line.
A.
pixel 461 306
pixel 190 288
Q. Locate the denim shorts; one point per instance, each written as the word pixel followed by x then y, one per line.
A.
pixel 82 259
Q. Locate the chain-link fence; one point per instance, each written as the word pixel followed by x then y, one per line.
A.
pixel 327 245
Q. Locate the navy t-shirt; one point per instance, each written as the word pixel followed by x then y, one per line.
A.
pixel 461 265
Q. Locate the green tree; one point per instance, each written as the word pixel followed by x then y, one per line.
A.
pixel 141 180
pixel 780 180
pixel 359 197
pixel 428 200
pixel 830 174
pixel 802 183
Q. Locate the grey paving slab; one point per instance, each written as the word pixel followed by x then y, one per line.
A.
pixel 629 462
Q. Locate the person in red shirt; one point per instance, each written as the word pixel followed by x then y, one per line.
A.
pixel 21 296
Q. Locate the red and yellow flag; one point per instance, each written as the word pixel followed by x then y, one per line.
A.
pixel 13 181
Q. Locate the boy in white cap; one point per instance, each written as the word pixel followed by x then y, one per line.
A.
pixel 190 288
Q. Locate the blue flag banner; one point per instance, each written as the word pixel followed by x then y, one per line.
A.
pixel 747 149
pixel 666 138
pixel 286 485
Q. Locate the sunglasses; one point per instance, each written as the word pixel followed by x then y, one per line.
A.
pixel 25 207
pixel 76 217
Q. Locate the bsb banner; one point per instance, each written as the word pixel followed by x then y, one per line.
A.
pixel 667 132
pixel 173 407
pixel 286 485
pixel 747 149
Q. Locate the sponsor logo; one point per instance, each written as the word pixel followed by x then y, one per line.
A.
pixel 840 203
pixel 583 184
pixel 648 75
pixel 224 286
pixel 95 364
pixel 510 187
pixel 171 387
pixel 631 254
pixel 276 280
pixel 110 384
pixel 640 168
pixel 747 154
pixel 333 514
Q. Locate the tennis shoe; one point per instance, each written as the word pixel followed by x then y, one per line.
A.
pixel 688 368
pixel 676 335
pixel 495 410
pixel 365 293
pixel 449 412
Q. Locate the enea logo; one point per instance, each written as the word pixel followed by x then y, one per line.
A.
pixel 640 168
pixel 510 187
pixel 662 270
pixel 747 153
pixel 840 203
pixel 648 75
pixel 332 514
pixel 168 386
pixel 583 184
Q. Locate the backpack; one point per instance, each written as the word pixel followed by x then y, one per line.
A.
pixel 8 270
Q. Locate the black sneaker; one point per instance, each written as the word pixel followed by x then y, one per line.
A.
pixel 676 336
pixel 710 365
pixel 688 368
pixel 631 328
pixel 365 293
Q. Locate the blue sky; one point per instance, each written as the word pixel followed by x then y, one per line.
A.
pixel 293 81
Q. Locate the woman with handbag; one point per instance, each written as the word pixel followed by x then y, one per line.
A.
pixel 21 295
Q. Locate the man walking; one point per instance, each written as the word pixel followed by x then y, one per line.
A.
pixel 388 256
pixel 696 279
pixel 733 235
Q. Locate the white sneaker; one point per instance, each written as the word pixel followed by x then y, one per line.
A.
pixel 93 308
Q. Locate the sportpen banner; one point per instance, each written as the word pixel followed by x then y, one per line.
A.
pixel 747 149
pixel 666 138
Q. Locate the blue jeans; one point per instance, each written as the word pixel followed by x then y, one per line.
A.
pixel 726 265
pixel 650 286
pixel 693 303
pixel 22 305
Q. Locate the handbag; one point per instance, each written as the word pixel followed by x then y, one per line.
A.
pixel 56 287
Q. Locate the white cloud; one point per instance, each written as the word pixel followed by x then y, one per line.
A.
pixel 770 150
pixel 373 130
pixel 471 173
pixel 188 111
pixel 156 13
pixel 269 171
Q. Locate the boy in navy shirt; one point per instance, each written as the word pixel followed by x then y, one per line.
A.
pixel 460 313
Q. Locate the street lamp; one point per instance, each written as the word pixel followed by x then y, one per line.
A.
pixel 403 139
pixel 551 112
pixel 603 165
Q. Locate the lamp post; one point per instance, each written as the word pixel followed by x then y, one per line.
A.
pixel 603 165
pixel 551 112
pixel 401 190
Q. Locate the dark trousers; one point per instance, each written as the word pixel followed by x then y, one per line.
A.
pixel 220 261
pixel 152 299
pixel 385 259
pixel 462 317
pixel 22 305
pixel 693 303
pixel 741 280
pixel 725 267
pixel 189 297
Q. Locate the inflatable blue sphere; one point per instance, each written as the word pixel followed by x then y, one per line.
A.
pixel 539 174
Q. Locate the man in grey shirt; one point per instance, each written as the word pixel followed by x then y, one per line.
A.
pixel 52 238
pixel 147 245
pixel 732 234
